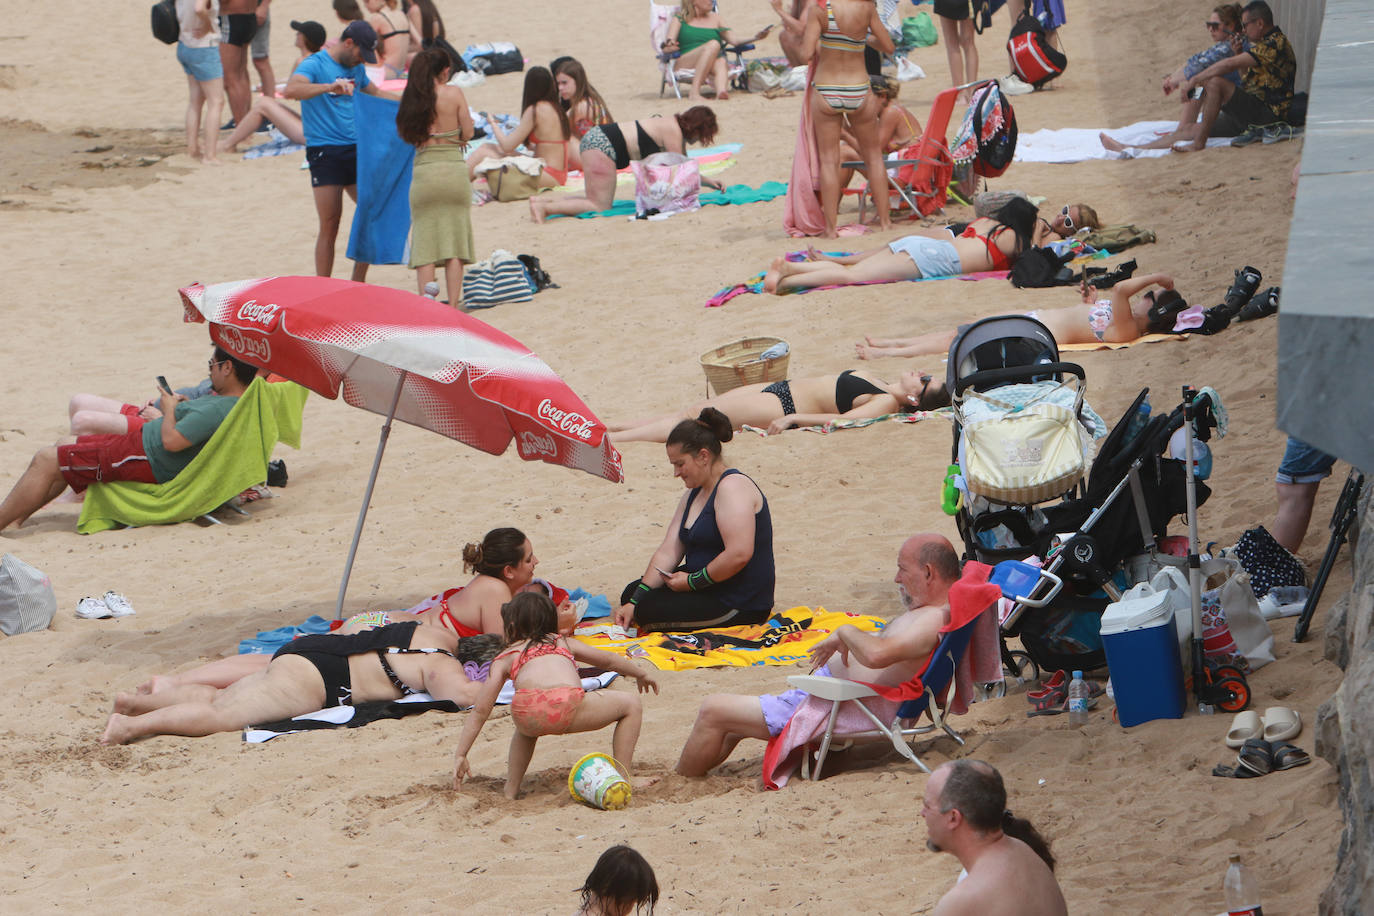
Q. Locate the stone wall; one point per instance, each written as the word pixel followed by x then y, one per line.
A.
pixel 1345 723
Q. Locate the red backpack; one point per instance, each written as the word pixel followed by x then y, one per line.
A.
pixel 1034 60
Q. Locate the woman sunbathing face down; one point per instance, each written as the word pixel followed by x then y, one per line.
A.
pixel 1116 319
pixel 812 401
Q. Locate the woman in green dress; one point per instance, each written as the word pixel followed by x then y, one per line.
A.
pixel 699 36
pixel 434 118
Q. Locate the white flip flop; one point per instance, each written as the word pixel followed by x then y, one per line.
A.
pixel 1244 726
pixel 1281 723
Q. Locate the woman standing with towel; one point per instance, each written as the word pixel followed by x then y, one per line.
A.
pixel 434 118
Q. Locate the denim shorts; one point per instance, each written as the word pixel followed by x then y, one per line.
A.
pixel 201 64
pixel 932 257
pixel 1304 464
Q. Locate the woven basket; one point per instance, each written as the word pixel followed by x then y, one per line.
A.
pixel 737 363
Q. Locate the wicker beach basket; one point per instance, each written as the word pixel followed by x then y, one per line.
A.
pixel 739 363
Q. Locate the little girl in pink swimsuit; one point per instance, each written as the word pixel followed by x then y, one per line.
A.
pixel 549 699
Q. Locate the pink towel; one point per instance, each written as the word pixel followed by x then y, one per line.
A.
pixel 783 756
pixel 982 664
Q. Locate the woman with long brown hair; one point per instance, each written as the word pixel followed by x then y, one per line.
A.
pixel 543 126
pixel 434 118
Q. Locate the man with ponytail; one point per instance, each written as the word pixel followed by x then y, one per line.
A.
pixel 1008 865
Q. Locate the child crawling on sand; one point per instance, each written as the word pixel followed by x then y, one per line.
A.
pixel 549 699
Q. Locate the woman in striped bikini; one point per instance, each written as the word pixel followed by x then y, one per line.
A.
pixel 836 34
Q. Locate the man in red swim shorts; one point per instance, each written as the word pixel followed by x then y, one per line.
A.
pixel 152 452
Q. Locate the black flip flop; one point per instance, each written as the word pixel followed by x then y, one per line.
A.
pixel 1237 772
pixel 1257 756
pixel 1287 756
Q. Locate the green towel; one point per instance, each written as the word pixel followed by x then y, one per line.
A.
pixel 233 460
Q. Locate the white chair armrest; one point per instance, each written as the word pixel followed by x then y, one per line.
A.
pixel 830 688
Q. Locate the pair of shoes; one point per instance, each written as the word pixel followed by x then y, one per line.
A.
pixel 1260 758
pixel 1242 290
pixel 1011 84
pixel 1055 683
pixel 1277 133
pixel 112 604
pixel 1108 280
pixel 1252 134
pixel 1262 306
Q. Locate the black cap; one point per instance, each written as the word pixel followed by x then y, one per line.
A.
pixel 314 33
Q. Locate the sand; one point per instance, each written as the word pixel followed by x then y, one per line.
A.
pixel 348 821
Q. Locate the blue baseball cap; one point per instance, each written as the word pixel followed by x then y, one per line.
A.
pixel 364 36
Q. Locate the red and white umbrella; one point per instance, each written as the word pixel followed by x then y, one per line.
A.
pixel 405 357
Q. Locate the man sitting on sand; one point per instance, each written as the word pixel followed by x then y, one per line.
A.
pixel 306 674
pixel 1008 863
pixel 926 567
pixel 154 451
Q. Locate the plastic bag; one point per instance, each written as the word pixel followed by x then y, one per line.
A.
pixel 908 71
pixel 919 31
pixel 667 183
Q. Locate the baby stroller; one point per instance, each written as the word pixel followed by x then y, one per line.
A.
pixel 1097 530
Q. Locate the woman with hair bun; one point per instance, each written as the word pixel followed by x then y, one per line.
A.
pixel 715 565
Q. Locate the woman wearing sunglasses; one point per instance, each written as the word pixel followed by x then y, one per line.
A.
pixel 812 401
pixel 1223 27
pixel 1066 222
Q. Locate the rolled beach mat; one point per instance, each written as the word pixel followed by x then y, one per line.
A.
pixel 600 781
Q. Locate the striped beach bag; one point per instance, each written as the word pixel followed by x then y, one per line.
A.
pixel 500 278
pixel 27 600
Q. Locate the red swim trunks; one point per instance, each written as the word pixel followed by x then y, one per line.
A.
pixel 103 458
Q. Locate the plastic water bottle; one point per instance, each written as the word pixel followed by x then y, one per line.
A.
pixel 1242 890
pixel 1138 420
pixel 1078 699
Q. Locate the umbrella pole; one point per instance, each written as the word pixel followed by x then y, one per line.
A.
pixel 367 496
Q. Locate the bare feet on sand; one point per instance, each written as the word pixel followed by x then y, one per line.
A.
pixel 536 210
pixel 773 275
pixel 117 730
pixel 1108 143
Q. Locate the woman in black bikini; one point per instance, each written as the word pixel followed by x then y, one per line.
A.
pixel 310 673
pixel 813 401
pixel 393 35
pixel 607 148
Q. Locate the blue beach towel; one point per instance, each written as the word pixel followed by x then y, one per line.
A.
pixel 381 222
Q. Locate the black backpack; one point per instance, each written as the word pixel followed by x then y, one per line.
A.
pixel 166 28
pixel 539 277
pixel 1040 267
pixel 996 152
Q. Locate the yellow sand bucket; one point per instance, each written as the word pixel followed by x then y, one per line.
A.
pixel 600 781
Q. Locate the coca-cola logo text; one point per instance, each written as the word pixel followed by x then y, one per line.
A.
pixel 258 313
pixel 565 421
pixel 248 347
pixel 533 445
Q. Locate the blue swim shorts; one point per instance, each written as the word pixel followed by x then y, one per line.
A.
pixel 778 709
pixel 932 257
pixel 201 64
pixel 1304 464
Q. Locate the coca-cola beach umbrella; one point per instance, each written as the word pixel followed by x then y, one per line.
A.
pixel 407 358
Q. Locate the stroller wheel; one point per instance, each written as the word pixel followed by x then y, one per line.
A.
pixel 1233 694
pixel 1227 671
pixel 1018 670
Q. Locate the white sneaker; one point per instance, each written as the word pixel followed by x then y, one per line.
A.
pixel 432 290
pixel 92 609
pixel 118 605
pixel 1011 84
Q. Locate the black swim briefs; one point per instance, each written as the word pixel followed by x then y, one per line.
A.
pixel 332 165
pixel 238 28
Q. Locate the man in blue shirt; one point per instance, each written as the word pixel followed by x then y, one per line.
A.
pixel 324 83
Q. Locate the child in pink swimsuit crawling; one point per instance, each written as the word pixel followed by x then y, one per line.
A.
pixel 549 699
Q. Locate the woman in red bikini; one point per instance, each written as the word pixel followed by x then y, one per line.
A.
pixel 504 564
pixel 543 127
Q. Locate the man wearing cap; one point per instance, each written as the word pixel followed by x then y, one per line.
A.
pixel 310 37
pixel 323 84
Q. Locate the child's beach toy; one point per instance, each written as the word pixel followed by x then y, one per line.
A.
pixel 599 781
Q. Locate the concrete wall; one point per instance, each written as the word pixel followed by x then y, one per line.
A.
pixel 1301 21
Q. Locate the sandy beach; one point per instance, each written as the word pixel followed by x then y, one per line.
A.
pixel 104 217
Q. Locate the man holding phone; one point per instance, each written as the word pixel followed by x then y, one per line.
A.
pixel 154 451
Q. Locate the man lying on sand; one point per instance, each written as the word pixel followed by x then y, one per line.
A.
pixel 926 567
pixel 309 673
pixel 1010 869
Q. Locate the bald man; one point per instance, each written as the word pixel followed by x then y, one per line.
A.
pixel 1010 869
pixel 926 567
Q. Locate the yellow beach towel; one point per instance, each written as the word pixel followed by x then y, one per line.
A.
pixel 787 638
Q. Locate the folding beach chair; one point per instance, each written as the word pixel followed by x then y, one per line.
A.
pixel 660 18
pixel 925 168
pixel 926 694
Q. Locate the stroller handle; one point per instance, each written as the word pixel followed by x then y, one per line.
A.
pixel 1016 373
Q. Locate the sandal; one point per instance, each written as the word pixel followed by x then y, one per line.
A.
pixel 1052 703
pixel 1262 306
pixel 1236 772
pixel 1056 682
pixel 1257 756
pixel 1287 756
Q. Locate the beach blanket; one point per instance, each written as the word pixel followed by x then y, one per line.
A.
pixel 277 144
pixel 733 194
pixel 381 221
pixel 755 283
pixel 710 160
pixel 233 460
pixel 862 423
pixel 366 713
pixel 1095 345
pixel 785 639
pixel 1076 144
